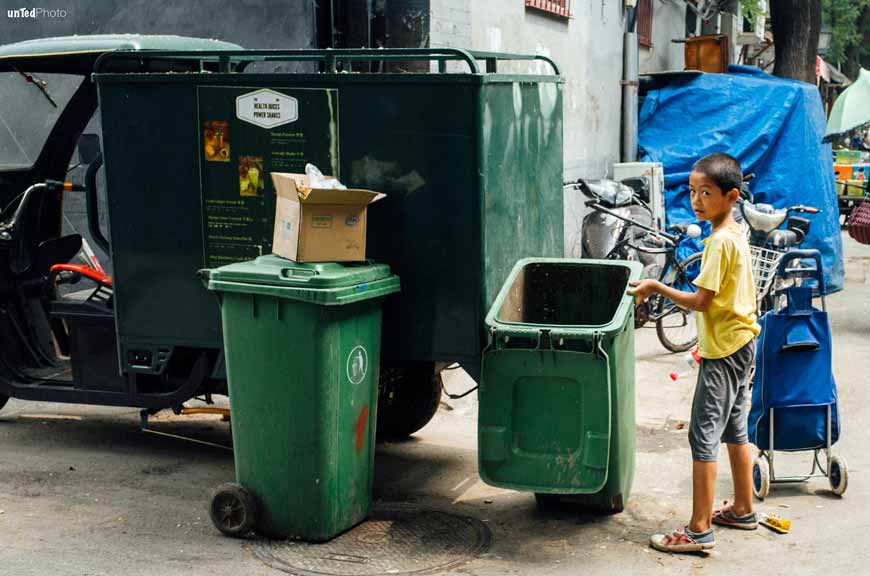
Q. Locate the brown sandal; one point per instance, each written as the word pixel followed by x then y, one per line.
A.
pixel 683 540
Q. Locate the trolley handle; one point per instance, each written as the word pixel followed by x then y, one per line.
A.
pixel 803 254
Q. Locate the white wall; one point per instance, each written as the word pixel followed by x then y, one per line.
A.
pixel 669 23
pixel 587 47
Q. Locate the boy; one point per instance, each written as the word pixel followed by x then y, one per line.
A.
pixel 727 329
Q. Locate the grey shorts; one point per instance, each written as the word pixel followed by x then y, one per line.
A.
pixel 719 407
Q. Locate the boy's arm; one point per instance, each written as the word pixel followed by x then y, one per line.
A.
pixel 699 300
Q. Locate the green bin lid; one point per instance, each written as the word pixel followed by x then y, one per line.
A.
pixel 327 283
pixel 273 270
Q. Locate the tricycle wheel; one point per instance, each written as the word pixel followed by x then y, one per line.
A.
pixel 838 475
pixel 232 510
pixel 408 399
pixel 760 477
pixel 675 326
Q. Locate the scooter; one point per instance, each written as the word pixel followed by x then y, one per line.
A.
pixel 619 226
pixel 769 241
pixel 627 201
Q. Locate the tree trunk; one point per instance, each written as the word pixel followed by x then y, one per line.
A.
pixel 852 65
pixel 796 25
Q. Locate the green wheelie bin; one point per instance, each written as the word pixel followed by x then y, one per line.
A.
pixel 302 345
pixel 556 411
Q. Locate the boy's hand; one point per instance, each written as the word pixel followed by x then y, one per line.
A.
pixel 642 290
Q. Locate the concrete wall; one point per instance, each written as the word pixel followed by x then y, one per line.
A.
pixel 588 48
pixel 250 23
pixel 669 23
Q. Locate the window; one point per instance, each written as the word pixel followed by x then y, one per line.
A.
pixel 644 22
pixel 557 7
pixel 27 116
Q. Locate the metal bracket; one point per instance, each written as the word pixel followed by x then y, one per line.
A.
pixel 545 339
pixel 597 345
pixel 143 426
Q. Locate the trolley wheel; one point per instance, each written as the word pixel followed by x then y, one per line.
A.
pixel 232 510
pixel 760 477
pixel 838 475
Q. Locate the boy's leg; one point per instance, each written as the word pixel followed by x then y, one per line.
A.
pixel 736 437
pixel 740 457
pixel 717 414
pixel 715 397
pixel 739 514
pixel 703 493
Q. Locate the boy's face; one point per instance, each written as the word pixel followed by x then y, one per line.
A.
pixel 709 202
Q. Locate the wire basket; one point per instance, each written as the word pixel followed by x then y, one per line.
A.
pixel 765 262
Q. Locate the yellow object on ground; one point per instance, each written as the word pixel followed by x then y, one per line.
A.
pixel 775 523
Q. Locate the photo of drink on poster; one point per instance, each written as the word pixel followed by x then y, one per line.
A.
pixel 216 140
pixel 251 176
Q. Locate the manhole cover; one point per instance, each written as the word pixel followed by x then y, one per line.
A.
pixel 396 539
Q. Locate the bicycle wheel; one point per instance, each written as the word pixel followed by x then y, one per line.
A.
pixel 675 326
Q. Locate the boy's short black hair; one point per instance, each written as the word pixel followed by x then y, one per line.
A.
pixel 722 169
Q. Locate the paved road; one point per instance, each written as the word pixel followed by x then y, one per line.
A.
pixel 83 491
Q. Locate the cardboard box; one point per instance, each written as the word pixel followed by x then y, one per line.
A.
pixel 317 224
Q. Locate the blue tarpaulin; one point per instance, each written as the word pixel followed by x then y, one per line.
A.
pixel 773 126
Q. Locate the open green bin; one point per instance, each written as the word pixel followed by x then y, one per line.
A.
pixel 302 345
pixel 556 413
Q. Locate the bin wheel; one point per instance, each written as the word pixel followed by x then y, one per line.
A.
pixel 3 400
pixel 547 501
pixel 760 477
pixel 838 475
pixel 596 503
pixel 408 400
pixel 232 510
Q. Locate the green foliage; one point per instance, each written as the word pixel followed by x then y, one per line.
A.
pixel 752 10
pixel 842 17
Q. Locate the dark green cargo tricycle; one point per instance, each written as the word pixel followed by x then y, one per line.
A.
pixel 470 160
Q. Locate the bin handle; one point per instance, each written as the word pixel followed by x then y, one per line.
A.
pixel 329 57
pixel 545 339
pixel 292 271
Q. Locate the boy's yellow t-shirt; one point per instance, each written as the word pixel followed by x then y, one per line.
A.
pixel 726 269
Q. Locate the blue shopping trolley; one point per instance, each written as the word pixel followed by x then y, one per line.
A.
pixel 794 396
